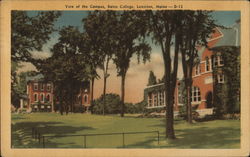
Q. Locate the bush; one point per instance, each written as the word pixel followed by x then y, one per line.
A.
pixel 112 104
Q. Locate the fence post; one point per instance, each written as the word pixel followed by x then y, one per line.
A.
pixel 43 142
pixel 35 136
pixel 39 137
pixel 32 133
pixel 85 145
pixel 123 142
pixel 158 137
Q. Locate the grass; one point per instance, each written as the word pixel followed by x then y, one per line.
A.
pixel 213 134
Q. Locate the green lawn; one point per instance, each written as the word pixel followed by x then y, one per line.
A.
pixel 212 134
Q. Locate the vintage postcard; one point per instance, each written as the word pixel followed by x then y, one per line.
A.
pixel 124 78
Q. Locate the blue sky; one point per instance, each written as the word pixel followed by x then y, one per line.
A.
pixel 74 18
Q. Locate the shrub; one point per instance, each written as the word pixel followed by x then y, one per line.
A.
pixel 112 104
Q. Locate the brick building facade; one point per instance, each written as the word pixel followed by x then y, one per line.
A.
pixel 41 95
pixel 203 76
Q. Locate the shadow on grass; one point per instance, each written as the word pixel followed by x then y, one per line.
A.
pixel 21 133
pixel 198 135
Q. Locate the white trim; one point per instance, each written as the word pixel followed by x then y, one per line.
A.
pixel 35 85
pixel 48 94
pixel 236 40
pixel 222 35
pixel 156 106
pixel 42 97
pixel 36 97
pixel 155 85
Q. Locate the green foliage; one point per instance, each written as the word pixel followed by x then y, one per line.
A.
pixel 227 95
pixel 135 108
pixel 30 33
pixel 67 67
pixel 27 34
pixel 151 78
pixel 112 101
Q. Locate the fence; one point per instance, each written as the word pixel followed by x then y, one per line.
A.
pixel 41 138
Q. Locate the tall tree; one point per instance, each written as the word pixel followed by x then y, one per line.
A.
pixel 130 33
pixel 91 58
pixel 151 78
pixel 66 68
pixel 165 26
pixel 99 28
pixel 198 26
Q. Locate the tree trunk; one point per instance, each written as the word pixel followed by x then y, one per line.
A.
pixel 189 105
pixel 122 94
pixel 104 94
pixel 169 114
pixel 92 90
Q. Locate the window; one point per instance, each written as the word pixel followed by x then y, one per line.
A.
pixel 48 97
pixel 85 98
pixel 35 86
pixel 155 99
pixel 161 100
pixel 215 58
pixel 42 86
pixel 220 78
pixel 48 87
pixel 196 94
pixel 42 97
pixel 150 99
pixel 207 64
pixel 197 69
pixel 221 62
pixel 35 98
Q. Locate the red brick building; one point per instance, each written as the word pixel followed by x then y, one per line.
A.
pixel 41 95
pixel 203 76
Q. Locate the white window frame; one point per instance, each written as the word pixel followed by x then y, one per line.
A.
pixel 155 99
pixel 35 100
pixel 197 69
pixel 215 58
pixel 42 87
pixel 209 62
pixel 35 86
pixel 150 100
pixel 161 98
pixel 49 97
pixel 221 78
pixel 220 59
pixel 48 87
pixel 42 97
pixel 196 94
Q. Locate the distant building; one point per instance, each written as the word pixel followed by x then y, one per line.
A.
pixel 41 97
pixel 155 96
pixel 40 94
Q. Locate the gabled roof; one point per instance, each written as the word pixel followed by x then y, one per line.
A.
pixel 230 36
